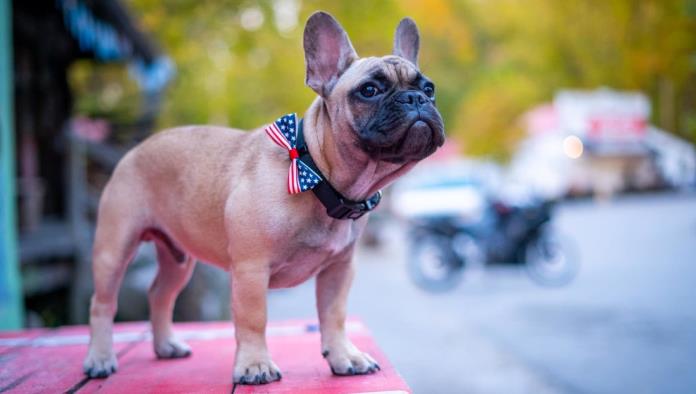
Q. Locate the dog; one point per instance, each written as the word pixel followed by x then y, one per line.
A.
pixel 221 196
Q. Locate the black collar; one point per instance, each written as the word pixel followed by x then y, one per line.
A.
pixel 337 206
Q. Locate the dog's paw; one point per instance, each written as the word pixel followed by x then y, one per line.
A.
pixel 172 348
pixel 100 365
pixel 349 361
pixel 260 372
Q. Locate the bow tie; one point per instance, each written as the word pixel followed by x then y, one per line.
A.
pixel 284 132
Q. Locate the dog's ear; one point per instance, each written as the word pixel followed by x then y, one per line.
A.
pixel 328 52
pixel 407 41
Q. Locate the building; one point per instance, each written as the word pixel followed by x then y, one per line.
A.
pixel 599 143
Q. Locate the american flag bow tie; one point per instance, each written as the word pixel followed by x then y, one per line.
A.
pixel 284 133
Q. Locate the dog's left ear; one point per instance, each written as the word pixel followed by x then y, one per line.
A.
pixel 407 41
pixel 328 52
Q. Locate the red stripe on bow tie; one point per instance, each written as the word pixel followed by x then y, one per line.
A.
pixel 293 179
pixel 277 136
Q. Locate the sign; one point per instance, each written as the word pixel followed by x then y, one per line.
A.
pixel 604 115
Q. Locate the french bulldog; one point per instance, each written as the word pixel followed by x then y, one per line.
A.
pixel 219 195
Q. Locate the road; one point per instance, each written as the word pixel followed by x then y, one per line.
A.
pixel 626 324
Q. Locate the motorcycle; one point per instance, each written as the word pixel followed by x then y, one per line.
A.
pixel 442 246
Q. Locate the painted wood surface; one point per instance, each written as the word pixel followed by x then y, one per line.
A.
pixel 50 361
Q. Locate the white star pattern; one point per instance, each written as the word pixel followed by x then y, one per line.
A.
pixel 286 125
pixel 308 178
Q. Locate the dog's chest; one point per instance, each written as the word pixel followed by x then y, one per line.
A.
pixel 311 250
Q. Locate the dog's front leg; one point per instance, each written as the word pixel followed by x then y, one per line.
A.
pixel 252 364
pixel 333 284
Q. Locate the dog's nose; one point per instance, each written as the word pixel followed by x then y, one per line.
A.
pixel 411 98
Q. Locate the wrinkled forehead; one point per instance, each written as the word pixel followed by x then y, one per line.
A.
pixel 396 69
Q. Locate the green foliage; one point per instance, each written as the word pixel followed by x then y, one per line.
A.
pixel 646 45
pixel 240 63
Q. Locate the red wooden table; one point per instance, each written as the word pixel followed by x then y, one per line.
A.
pixel 50 361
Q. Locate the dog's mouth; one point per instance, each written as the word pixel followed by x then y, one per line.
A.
pixel 416 141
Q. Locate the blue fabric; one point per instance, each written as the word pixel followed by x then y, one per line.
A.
pixel 96 36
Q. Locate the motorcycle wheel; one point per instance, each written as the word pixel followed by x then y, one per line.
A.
pixel 551 260
pixel 432 263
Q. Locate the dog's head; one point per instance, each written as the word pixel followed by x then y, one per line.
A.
pixel 382 106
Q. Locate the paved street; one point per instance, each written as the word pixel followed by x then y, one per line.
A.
pixel 626 324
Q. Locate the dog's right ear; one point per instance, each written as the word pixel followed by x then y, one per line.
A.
pixel 328 52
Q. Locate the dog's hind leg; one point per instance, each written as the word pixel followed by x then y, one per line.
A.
pixel 173 273
pixel 116 240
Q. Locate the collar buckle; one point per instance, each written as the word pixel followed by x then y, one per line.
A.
pixel 346 209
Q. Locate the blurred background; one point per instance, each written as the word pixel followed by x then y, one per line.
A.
pixel 549 246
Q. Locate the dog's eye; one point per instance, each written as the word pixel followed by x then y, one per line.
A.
pixel 429 90
pixel 369 90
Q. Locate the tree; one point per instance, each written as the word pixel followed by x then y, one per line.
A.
pixel 241 63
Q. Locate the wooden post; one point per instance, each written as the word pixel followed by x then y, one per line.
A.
pixel 77 209
pixel 10 285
